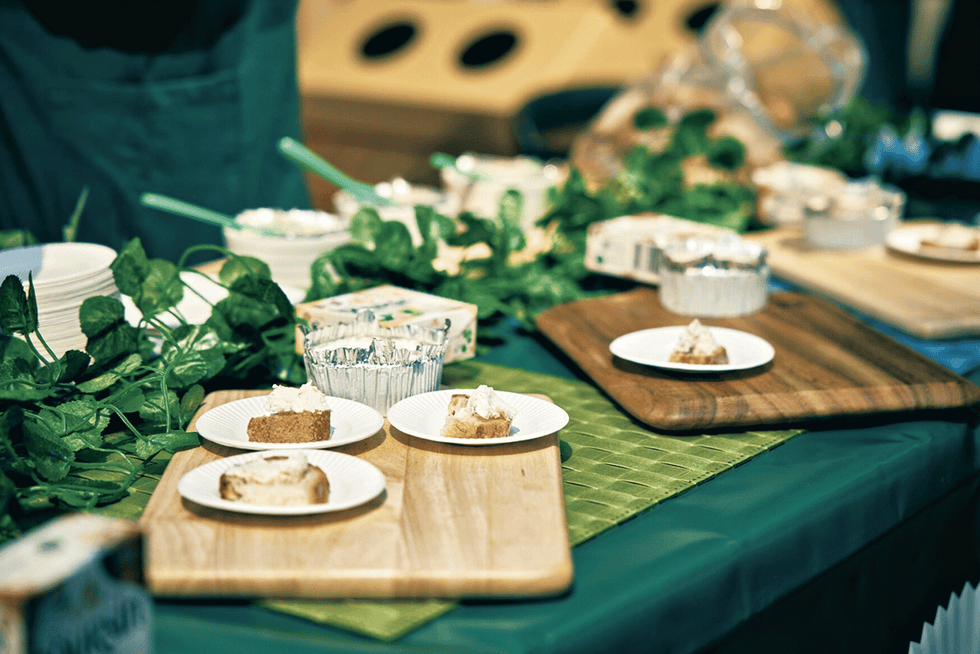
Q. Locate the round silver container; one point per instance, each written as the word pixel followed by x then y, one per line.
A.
pixel 376 365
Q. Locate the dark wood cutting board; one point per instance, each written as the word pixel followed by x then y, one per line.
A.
pixel 827 363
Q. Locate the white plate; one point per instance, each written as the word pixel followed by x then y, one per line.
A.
pixel 227 424
pixel 652 347
pixel 908 240
pixel 425 414
pixel 352 483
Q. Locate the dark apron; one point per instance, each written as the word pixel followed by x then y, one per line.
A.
pixel 199 125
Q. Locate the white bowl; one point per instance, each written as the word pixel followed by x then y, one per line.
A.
pixel 405 197
pixel 308 234
pixel 495 176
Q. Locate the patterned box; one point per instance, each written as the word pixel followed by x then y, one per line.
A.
pixel 398 306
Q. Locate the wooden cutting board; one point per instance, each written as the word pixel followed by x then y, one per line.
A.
pixel 827 363
pixel 927 299
pixel 454 521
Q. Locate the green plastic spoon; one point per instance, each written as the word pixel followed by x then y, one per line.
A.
pixel 300 154
pixel 200 214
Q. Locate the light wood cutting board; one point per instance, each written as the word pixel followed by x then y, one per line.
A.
pixel 827 363
pixel 454 522
pixel 927 299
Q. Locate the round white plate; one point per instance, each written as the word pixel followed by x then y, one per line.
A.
pixel 227 424
pixel 352 483
pixel 425 414
pixel 652 347
pixel 908 240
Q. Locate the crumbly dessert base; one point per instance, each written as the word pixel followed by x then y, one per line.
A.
pixel 476 427
pixel 717 357
pixel 312 488
pixel 290 427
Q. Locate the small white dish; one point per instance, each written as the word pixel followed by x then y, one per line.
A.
pixel 425 414
pixel 652 347
pixel 353 482
pixel 227 424
pixel 908 240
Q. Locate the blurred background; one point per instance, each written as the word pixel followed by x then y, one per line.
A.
pixel 384 84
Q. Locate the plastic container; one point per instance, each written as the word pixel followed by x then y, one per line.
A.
pixel 713 278
pixel 859 215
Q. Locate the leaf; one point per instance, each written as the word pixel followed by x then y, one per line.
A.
pixel 15 315
pixel 17 382
pixel 103 321
pixel 365 225
pixel 161 289
pixel 156 404
pixel 170 441
pixel 264 290
pixel 15 238
pixel 394 245
pixel 110 377
pixel 51 456
pixel 130 268
pixel 71 229
pixel 7 491
pixel 240 266
pixel 195 354
pixel 726 152
pixel 16 348
pixel 690 136
pixel 192 400
pixel 73 365
pixel 649 118
pixel 129 400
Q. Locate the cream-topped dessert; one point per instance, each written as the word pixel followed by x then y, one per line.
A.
pixel 293 415
pixel 697 345
pixel 480 414
pixel 276 481
pixel 286 398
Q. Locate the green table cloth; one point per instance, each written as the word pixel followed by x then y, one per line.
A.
pixel 844 538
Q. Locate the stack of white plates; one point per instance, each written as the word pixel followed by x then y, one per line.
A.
pixel 306 235
pixel 64 275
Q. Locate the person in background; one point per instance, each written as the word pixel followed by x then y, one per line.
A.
pixel 185 98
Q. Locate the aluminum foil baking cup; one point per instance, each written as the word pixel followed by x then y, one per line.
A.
pixel 367 362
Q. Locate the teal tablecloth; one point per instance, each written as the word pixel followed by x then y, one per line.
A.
pixel 843 539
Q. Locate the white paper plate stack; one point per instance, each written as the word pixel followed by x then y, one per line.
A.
pixel 956 629
pixel 64 275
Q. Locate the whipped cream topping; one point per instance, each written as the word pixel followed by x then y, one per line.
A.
pixel 483 402
pixel 263 471
pixel 305 398
pixel 696 339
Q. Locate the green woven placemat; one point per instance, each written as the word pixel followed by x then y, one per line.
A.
pixel 612 469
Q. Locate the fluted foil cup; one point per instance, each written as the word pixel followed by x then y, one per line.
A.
pixel 368 362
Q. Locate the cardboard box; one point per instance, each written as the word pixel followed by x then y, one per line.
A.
pixel 75 585
pixel 398 306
